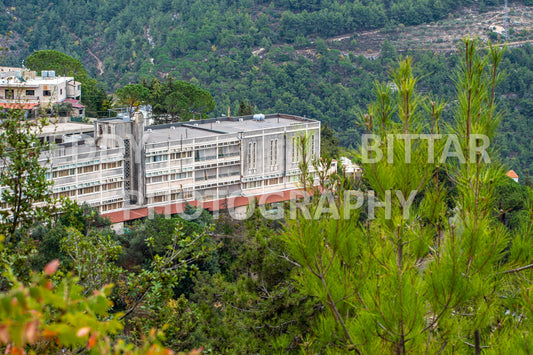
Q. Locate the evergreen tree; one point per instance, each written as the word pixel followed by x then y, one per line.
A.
pixel 419 275
pixel 245 108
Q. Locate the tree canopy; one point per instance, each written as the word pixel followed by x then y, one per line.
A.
pixel 132 96
pixel 177 100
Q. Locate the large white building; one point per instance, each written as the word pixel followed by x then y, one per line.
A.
pixel 128 170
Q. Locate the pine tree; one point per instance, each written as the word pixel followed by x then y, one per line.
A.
pixel 430 271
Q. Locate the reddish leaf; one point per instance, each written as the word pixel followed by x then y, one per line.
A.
pixel 49 333
pixel 92 341
pixel 30 331
pixel 17 351
pixel 4 334
pixel 51 267
pixel 49 285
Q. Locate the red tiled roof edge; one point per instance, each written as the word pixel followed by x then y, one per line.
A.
pixel 512 174
pixel 175 208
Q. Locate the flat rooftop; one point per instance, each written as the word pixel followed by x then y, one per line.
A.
pixel 157 135
pixel 35 82
pixel 67 128
pixel 222 125
pixel 254 125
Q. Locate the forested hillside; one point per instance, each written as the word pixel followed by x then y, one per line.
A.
pixel 415 256
pixel 314 58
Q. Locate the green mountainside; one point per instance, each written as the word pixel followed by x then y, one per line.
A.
pixel 314 58
pixel 415 256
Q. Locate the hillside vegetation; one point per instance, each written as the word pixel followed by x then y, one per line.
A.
pixel 314 58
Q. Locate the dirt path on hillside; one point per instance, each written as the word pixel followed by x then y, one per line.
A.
pixel 99 63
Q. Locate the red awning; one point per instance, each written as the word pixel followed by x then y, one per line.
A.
pixel 17 105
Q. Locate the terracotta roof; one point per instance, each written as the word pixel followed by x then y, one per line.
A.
pixel 17 105
pixel 512 174
pixel 75 103
pixel 179 207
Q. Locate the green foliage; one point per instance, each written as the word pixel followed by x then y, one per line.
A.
pixel 132 96
pixel 252 306
pixel 61 63
pixel 177 100
pixel 511 199
pixel 63 109
pixel 81 217
pixel 48 245
pixel 22 176
pixel 245 108
pixel 418 276
pixel 329 144
pixel 92 257
pixel 145 239
pixel 44 317
pixel 147 293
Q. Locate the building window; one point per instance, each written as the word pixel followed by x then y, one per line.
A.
pixel 157 199
pixel 181 195
pixel 249 159
pixel 156 179
pixel 115 164
pixel 112 206
pixel 80 111
pixel 182 155
pixel 273 153
pixel 30 92
pixel 47 93
pixel 295 151
pixel 156 158
pixel 252 185
pixel 175 196
pixel 112 186
pixel 63 173
pixel 276 152
pixel 180 176
pixel 252 153
pixel 88 190
pixel 10 94
pixel 88 169
pixel 60 91
pixel 274 181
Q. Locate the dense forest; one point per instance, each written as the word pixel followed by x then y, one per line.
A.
pixel 277 55
pixel 447 269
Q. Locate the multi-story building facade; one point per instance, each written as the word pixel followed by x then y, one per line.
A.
pixel 128 170
pixel 22 88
